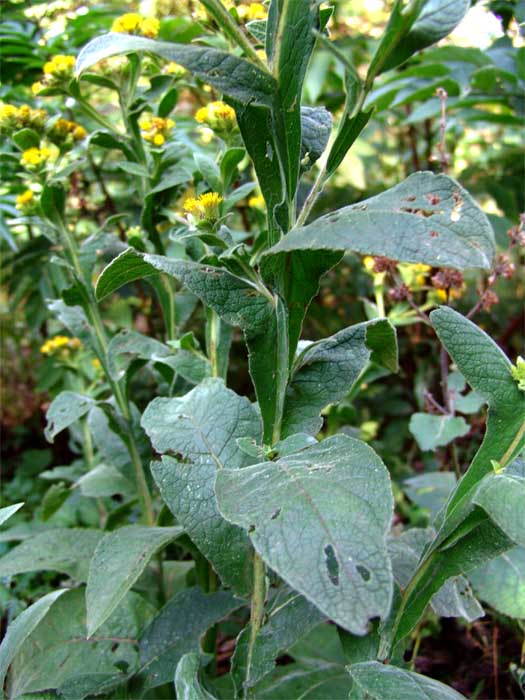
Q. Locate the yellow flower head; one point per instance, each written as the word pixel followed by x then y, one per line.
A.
pixel 174 69
pixel 414 275
pixel 24 117
pixel 65 132
pixel 218 116
pixel 156 130
pixel 253 11
pixel 59 69
pixel 133 23
pixel 60 344
pixel 8 117
pixel 36 158
pixel 257 202
pixel 25 202
pixel 205 207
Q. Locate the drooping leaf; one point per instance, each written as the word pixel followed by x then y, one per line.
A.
pixel 199 433
pixel 129 345
pixel 178 629
pixel 378 681
pixel 21 628
pixel 58 654
pixel 224 71
pixel 103 481
pixel 326 371
pixel 64 410
pixel 126 267
pixel 65 550
pixel 502 496
pixel 118 561
pixel 290 618
pixel 433 431
pixel 425 219
pixel 187 684
pixel 430 490
pixel 344 571
pixel 316 125
pixel 487 370
pixel 501 582
pixel 8 511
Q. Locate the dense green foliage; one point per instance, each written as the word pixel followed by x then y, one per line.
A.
pixel 278 351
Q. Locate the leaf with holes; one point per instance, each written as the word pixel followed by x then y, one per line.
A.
pixel 64 410
pixel 297 510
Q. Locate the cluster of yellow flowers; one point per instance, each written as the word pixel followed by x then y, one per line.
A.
pixel 36 158
pixel 58 71
pixel 205 207
pixel 174 69
pixel 60 344
pixel 257 202
pixel 252 11
pixel 217 116
pixel 64 131
pixel 24 117
pixel 133 23
pixel 156 130
pixel 26 202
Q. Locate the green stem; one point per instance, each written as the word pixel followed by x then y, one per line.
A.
pixel 257 608
pixel 93 114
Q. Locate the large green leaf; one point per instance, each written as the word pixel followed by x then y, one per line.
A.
pixel 58 655
pixel 64 410
pixel 501 582
pixel 118 561
pixel 65 550
pixel 8 511
pixel 433 431
pixel 187 684
pixel 199 432
pixel 502 496
pixel 21 628
pixel 178 629
pixel 425 219
pixel 126 267
pixel 327 369
pixel 290 618
pixel 298 511
pixel 376 681
pixel 226 72
pixel 487 370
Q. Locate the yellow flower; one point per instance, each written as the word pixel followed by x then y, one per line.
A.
pixel 59 69
pixel 205 207
pixel 253 11
pixel 23 117
pixel 95 362
pixel 37 87
pixel 25 202
pixel 59 342
pixel 65 132
pixel 218 116
pixel 369 263
pixel 414 275
pixel 34 158
pixel 174 69
pixel 156 129
pixel 133 23
pixel 257 202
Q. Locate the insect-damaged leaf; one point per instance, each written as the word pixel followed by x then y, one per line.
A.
pixel 298 511
pixel 425 219
pixel 226 72
pixel 200 431
pixel 64 410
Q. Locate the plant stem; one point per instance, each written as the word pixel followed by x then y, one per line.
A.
pixel 257 607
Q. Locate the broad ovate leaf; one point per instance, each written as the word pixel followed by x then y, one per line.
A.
pixel 297 512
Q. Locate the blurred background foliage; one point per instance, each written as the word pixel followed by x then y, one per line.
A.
pixel 458 106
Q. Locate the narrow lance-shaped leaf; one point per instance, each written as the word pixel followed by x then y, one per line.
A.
pixel 197 433
pixel 226 72
pixel 425 219
pixel 488 372
pixel 326 371
pixel 118 561
pixel 8 511
pixel 319 518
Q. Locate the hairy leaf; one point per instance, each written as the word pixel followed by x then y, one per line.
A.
pixel 64 410
pixel 316 125
pixel 502 496
pixel 297 510
pixel 433 431
pixel 187 685
pixel 118 561
pixel 501 582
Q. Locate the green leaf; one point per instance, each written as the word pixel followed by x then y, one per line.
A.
pixel 290 618
pixel 187 683
pixel 344 571
pixel 118 561
pixel 178 630
pixel 502 496
pixel 425 219
pixel 225 72
pixel 501 582
pixel 59 656
pixel 488 372
pixel 52 202
pixel 325 372
pixel 431 490
pixel 126 267
pixel 433 431
pixel 65 410
pixel 377 681
pixel 200 431
pixel 104 481
pixel 65 550
pixel 26 138
pixel 209 170
pixel 133 168
pixel 316 126
pixel 21 627
pixel 8 511
pixel 348 132
pixel 128 345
